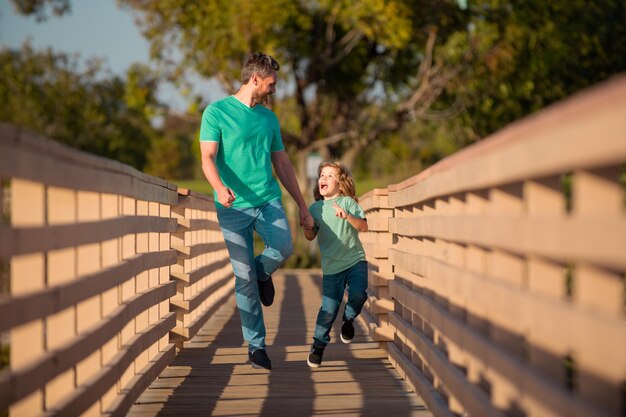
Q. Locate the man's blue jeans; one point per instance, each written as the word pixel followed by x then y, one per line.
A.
pixel 333 286
pixel 238 224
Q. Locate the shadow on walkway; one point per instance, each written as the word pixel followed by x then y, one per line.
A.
pixel 212 376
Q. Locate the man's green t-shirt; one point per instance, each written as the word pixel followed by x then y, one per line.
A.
pixel 247 136
pixel 339 241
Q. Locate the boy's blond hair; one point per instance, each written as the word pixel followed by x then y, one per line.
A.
pixel 346 182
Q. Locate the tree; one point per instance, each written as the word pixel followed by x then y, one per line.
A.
pixel 172 154
pixel 545 52
pixel 47 93
pixel 356 69
pixel 361 73
pixel 40 7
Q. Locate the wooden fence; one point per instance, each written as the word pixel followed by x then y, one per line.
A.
pixel 497 279
pixel 499 273
pixel 103 272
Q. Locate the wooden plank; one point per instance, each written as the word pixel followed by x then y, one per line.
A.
pixel 197 299
pixel 376 332
pixel 93 390
pixel 198 274
pixel 220 297
pixel 26 155
pixel 196 201
pixel 199 224
pixel 599 240
pixel 534 386
pixel 21 240
pixel 526 309
pixel 22 381
pixel 140 382
pixel 474 401
pixel 188 252
pixel 59 297
pixel 532 147
pixel 419 382
pixel 211 375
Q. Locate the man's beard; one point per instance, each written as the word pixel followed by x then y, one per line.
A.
pixel 261 98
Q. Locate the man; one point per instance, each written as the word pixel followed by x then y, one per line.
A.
pixel 240 141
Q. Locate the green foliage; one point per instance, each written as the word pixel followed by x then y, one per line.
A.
pixel 200 186
pixel 541 52
pixel 47 93
pixel 40 7
pixel 336 55
pixel 163 158
pixel 172 154
pixel 351 66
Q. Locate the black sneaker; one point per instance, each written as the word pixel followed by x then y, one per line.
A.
pixel 315 357
pixel 259 359
pixel 266 291
pixel 347 331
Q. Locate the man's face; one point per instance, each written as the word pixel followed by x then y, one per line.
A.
pixel 265 87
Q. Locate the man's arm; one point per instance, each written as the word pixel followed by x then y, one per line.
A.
pixel 287 176
pixel 209 151
pixel 309 233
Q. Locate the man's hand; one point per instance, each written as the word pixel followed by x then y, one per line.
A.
pixel 225 196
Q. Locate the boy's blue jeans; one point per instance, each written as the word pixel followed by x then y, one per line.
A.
pixel 333 286
pixel 238 225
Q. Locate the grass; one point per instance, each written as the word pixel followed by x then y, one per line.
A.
pixel 203 186
pixel 200 186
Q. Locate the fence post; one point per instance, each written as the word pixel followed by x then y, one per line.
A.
pixel 203 274
pixel 376 242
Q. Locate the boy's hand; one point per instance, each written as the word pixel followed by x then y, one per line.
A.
pixel 339 212
pixel 308 223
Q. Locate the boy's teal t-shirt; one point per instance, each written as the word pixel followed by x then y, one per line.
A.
pixel 339 241
pixel 247 136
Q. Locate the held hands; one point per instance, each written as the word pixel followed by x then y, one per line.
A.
pixel 306 220
pixel 308 223
pixel 225 196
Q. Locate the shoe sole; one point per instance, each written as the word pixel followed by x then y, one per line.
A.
pixel 255 366
pixel 346 341
pixel 312 365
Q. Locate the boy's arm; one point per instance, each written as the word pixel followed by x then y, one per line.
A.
pixel 357 223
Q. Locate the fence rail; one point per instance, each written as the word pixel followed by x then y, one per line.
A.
pixel 505 267
pixel 105 270
pixel 497 276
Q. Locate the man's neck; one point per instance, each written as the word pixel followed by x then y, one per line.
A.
pixel 245 96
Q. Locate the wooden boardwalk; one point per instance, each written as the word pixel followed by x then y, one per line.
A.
pixel 212 376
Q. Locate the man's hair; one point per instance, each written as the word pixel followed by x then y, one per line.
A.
pixel 346 182
pixel 258 63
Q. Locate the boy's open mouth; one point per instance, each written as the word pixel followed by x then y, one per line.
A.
pixel 323 186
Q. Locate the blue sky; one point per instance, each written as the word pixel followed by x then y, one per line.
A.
pixel 94 28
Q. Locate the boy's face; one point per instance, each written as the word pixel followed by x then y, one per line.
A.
pixel 328 183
